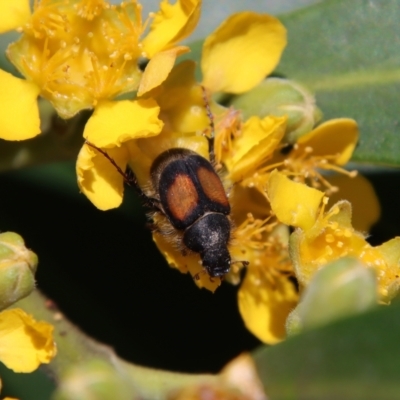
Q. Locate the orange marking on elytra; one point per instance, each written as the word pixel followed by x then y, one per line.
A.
pixel 212 186
pixel 182 197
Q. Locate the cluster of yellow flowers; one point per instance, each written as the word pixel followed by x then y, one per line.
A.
pixel 85 54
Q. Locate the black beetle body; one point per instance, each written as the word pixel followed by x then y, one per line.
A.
pixel 193 199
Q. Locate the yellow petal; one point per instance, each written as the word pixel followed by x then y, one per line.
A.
pixel 173 23
pixel 19 112
pixel 98 179
pixel 293 203
pixel 264 309
pixel 337 137
pixel 188 263
pixel 182 100
pixel 24 342
pixel 242 52
pixel 158 69
pixel 361 194
pixel 13 14
pixel 114 122
pixel 259 139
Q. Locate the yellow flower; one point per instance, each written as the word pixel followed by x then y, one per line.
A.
pixel 267 293
pixel 79 54
pixel 326 148
pixel 324 237
pixel 111 128
pixel 24 342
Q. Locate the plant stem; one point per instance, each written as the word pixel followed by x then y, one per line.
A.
pixel 74 347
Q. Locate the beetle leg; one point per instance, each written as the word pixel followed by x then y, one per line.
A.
pixel 196 277
pixel 150 202
pixel 131 180
pixel 244 263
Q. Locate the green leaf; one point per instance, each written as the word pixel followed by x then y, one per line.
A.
pixel 356 358
pixel 34 386
pixel 348 52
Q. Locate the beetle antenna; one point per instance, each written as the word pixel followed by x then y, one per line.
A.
pixel 129 178
pixel 212 125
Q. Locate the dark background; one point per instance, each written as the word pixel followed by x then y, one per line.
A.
pixel 107 276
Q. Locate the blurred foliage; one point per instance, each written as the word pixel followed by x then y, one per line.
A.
pixel 354 358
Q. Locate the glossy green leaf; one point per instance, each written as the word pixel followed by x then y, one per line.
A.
pixel 356 358
pixel 348 52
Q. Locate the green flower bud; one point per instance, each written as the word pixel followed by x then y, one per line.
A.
pixel 17 269
pixel 278 97
pixel 94 380
pixel 340 289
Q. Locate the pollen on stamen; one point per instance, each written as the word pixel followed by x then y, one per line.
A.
pixel 320 261
pixel 255 280
pixel 328 250
pixel 384 292
pixel 329 238
pixel 332 189
pixel 380 263
pixel 348 233
pixel 308 149
pixel 89 9
pixel 353 174
pixel 196 110
pixel 334 226
pixel 338 232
